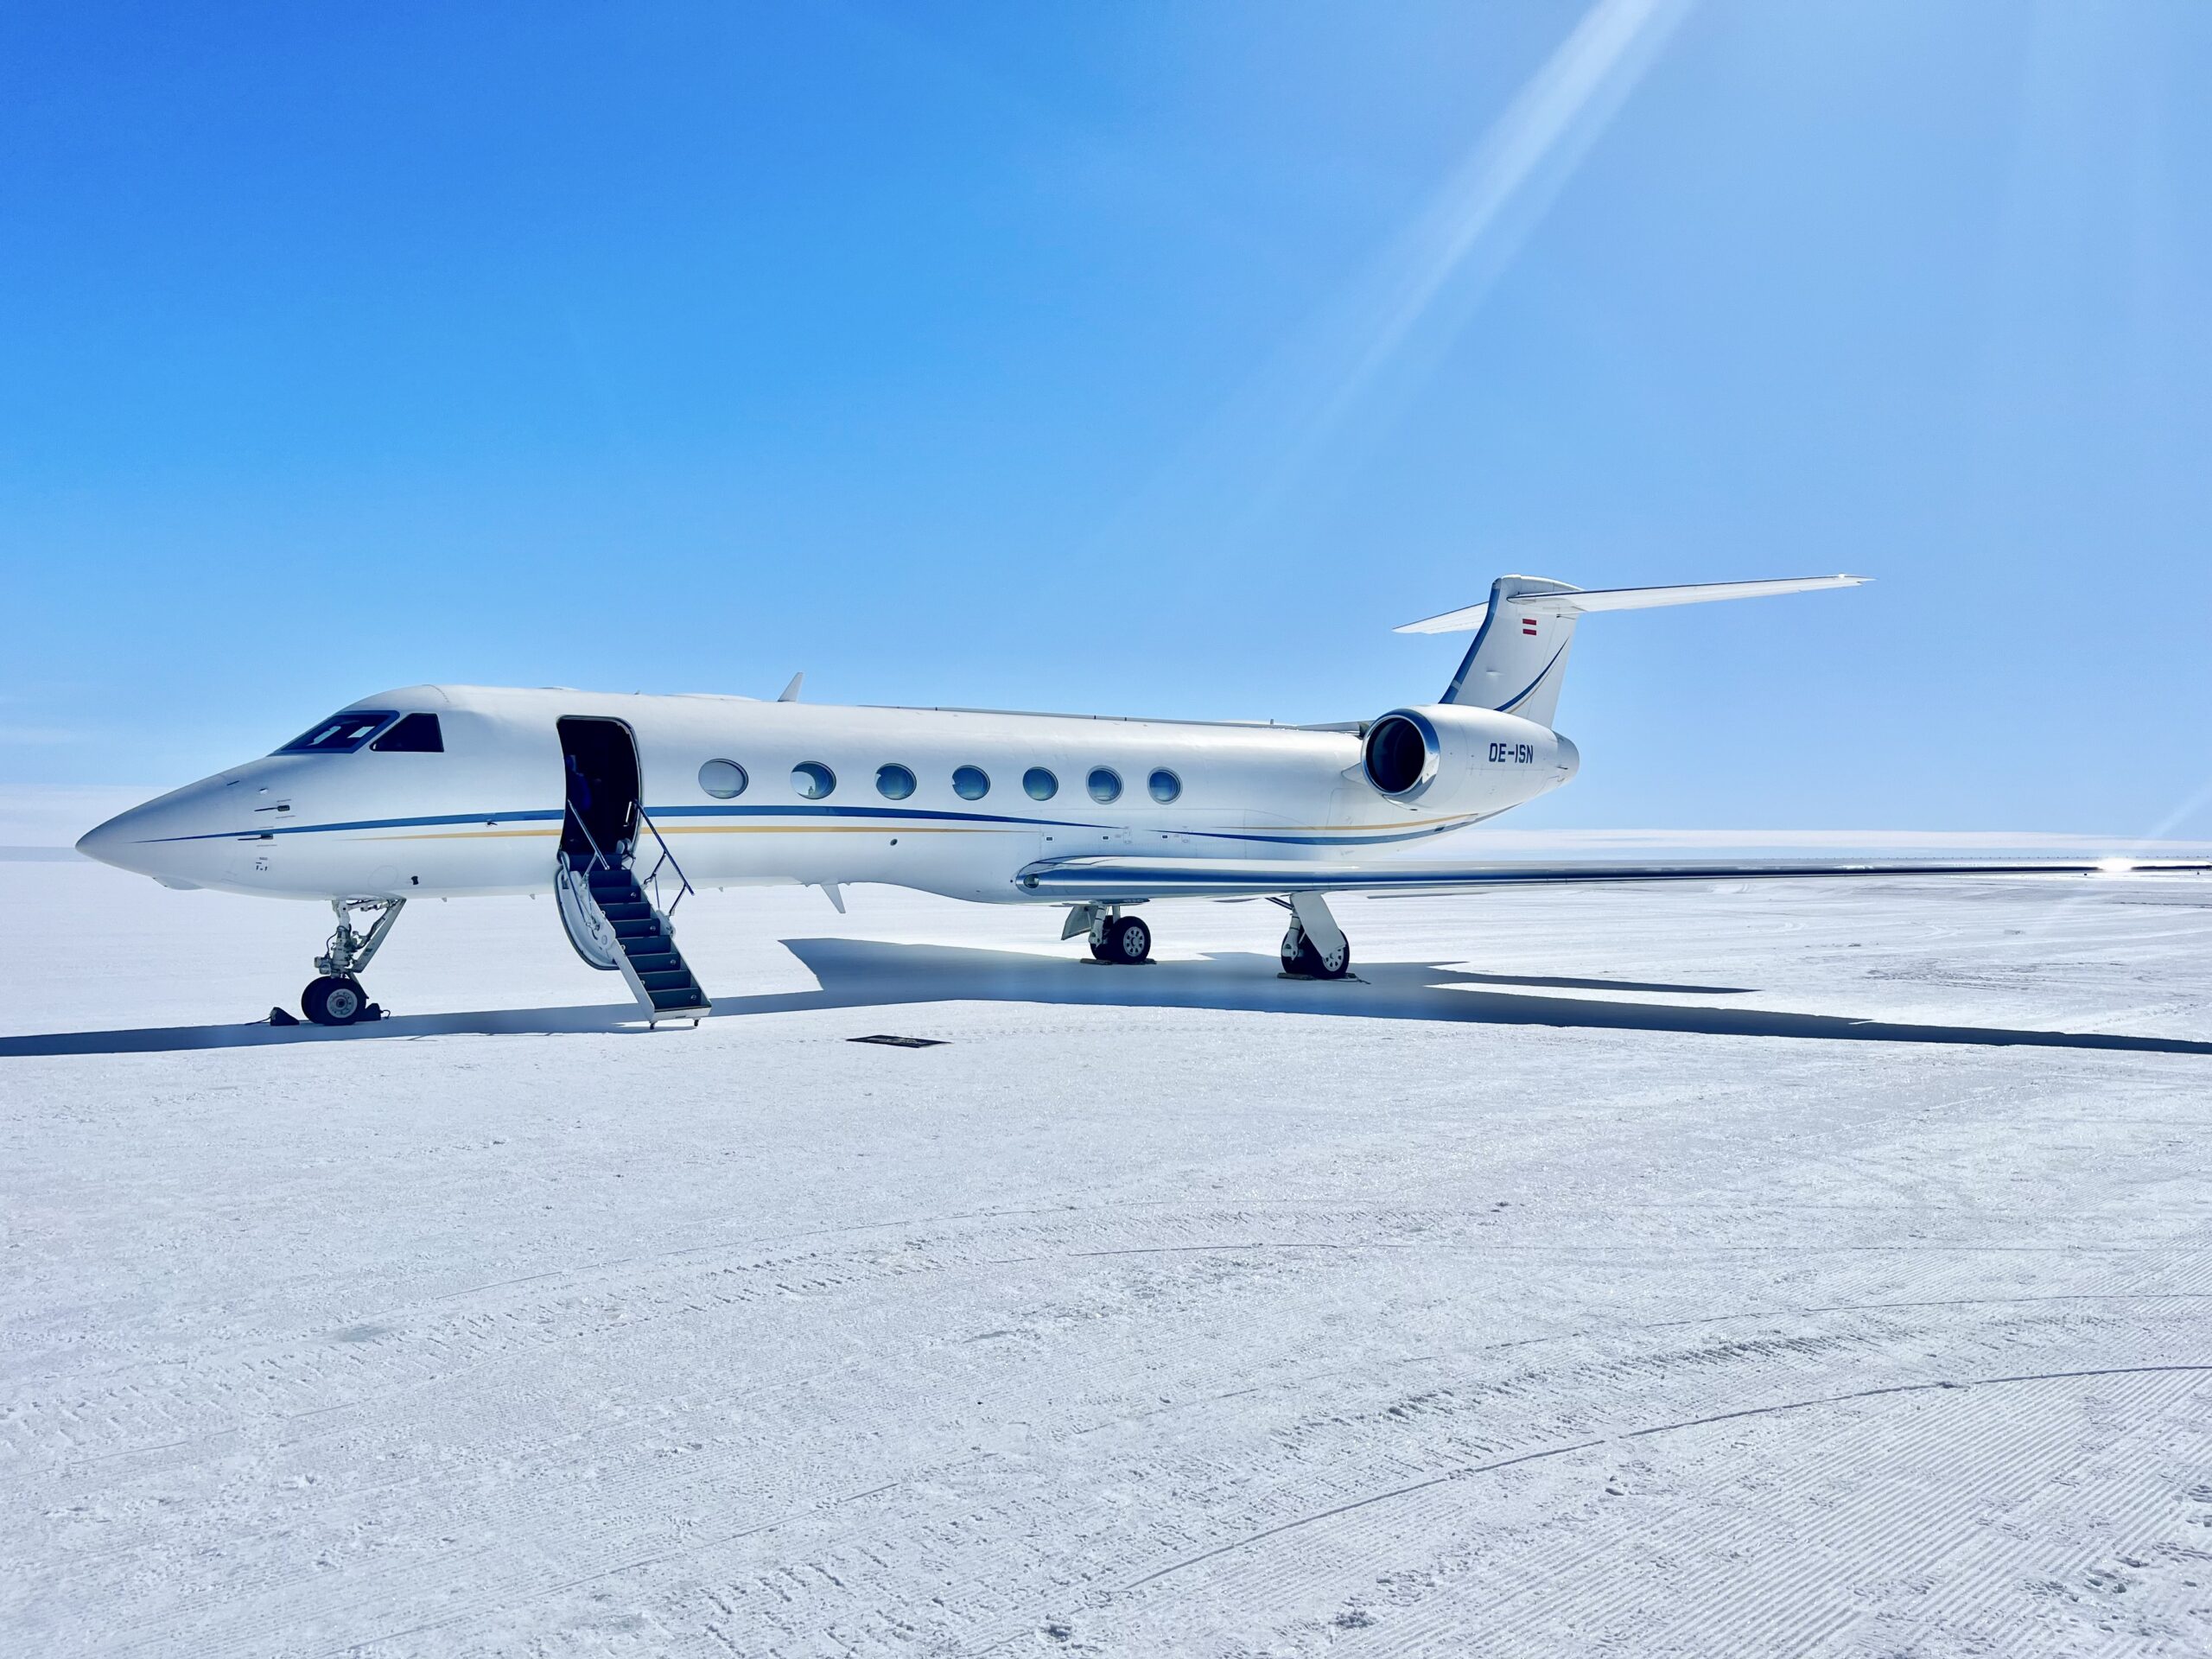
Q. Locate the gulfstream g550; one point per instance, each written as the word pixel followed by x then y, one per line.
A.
pixel 621 805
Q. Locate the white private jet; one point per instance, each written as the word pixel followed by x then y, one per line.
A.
pixel 456 792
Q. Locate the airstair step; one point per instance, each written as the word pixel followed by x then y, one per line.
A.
pixel 655 968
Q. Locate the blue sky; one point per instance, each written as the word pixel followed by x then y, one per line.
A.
pixel 1146 358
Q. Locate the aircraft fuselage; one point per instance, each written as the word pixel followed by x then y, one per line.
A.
pixel 985 794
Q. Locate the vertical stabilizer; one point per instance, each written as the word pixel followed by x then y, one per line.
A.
pixel 1519 655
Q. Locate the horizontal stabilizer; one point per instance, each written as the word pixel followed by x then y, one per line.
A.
pixel 1577 601
pixel 1126 879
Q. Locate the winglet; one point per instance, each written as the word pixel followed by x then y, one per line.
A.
pixel 791 692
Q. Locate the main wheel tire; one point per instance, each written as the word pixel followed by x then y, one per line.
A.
pixel 333 1000
pixel 1130 940
pixel 1300 957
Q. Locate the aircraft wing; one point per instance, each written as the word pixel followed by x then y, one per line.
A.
pixel 1124 879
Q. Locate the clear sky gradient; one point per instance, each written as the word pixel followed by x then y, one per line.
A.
pixel 1152 358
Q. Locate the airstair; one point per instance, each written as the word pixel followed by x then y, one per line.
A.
pixel 615 925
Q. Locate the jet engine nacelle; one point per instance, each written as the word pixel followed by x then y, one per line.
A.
pixel 1454 757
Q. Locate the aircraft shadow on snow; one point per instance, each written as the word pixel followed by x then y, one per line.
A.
pixel 873 974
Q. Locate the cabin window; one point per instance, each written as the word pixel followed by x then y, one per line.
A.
pixel 340 734
pixel 971 783
pixel 893 783
pixel 1040 783
pixel 1164 785
pixel 415 734
pixel 813 780
pixel 723 779
pixel 1105 785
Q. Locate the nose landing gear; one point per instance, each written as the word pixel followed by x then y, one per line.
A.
pixel 335 998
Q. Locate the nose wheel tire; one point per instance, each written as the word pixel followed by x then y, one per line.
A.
pixel 333 1000
pixel 1301 960
pixel 1124 940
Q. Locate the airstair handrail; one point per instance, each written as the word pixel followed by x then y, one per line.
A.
pixel 598 853
pixel 668 858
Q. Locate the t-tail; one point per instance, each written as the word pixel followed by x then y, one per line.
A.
pixel 1523 632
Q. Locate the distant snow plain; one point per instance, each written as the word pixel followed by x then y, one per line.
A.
pixel 1705 1270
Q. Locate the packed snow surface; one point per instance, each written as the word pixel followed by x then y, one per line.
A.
pixel 1700 1270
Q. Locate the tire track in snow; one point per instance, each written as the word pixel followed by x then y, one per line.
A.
pixel 1924 1509
pixel 1628 1435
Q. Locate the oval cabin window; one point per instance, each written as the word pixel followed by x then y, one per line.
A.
pixel 722 779
pixel 812 779
pixel 1105 785
pixel 1164 785
pixel 1040 783
pixel 893 783
pixel 970 783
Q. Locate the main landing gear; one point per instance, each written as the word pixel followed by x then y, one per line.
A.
pixel 1114 938
pixel 1123 939
pixel 1314 947
pixel 335 997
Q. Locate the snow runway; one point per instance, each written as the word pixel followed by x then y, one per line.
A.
pixel 1796 1270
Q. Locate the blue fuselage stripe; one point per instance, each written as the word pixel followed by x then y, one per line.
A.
pixel 890 815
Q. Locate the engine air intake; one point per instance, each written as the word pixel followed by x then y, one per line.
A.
pixel 1400 754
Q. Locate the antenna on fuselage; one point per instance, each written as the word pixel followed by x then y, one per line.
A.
pixel 791 692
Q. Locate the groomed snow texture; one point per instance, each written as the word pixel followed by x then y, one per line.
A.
pixel 1691 1271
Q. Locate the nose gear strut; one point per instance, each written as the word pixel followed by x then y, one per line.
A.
pixel 336 997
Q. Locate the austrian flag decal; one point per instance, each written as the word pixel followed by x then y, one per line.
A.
pixel 1529 626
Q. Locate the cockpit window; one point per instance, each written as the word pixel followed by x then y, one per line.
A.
pixel 415 734
pixel 340 734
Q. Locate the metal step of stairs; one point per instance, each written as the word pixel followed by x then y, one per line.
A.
pixel 656 974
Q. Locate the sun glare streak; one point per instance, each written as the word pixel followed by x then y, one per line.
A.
pixel 2148 845
pixel 1465 241
pixel 1426 280
pixel 1522 161
pixel 2175 819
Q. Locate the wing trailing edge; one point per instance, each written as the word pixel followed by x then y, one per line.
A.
pixel 1125 880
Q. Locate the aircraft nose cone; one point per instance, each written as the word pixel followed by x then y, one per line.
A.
pixel 145 841
pixel 180 839
pixel 109 842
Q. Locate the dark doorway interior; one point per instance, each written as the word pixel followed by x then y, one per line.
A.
pixel 601 759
